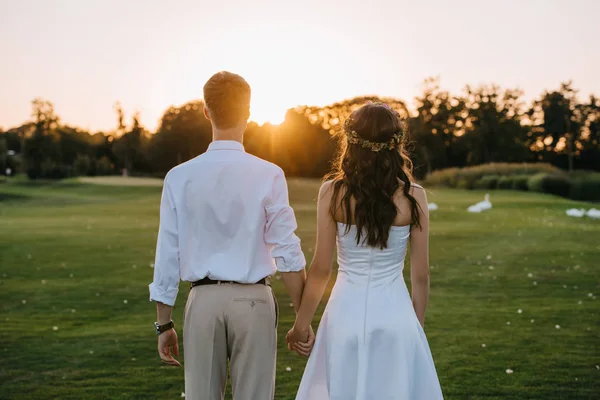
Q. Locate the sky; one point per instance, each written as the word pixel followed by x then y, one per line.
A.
pixel 85 55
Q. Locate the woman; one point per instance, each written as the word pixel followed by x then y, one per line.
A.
pixel 370 343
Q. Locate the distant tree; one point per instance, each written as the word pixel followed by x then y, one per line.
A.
pixel 41 147
pixel 493 128
pixel 437 126
pixel 131 147
pixel 559 125
pixel 333 116
pixel 302 148
pixel 184 133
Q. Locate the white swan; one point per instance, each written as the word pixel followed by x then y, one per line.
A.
pixel 482 205
pixel 433 206
pixel 577 213
pixel 593 213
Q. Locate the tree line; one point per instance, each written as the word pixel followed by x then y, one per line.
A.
pixel 480 125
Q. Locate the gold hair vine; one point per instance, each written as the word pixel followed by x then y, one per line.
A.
pixel 354 138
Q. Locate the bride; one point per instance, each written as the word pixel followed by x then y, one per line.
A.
pixel 370 343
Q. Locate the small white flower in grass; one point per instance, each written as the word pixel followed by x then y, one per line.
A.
pixel 288 369
pixel 24 301
pixel 489 257
pixel 483 345
pixel 532 321
pixel 557 326
pixel 291 305
pixel 182 394
pixel 133 359
pixel 507 322
pixel 534 283
pixel 43 281
pixel 491 267
pixel 124 301
pixel 151 265
pixel 590 294
pixel 565 286
pixel 598 367
pixel 55 328
pixel 530 275
pixel 509 371
pixel 72 310
pixel 91 351
pixel 70 275
pixel 520 311
pixel 580 302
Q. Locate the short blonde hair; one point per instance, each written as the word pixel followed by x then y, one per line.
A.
pixel 227 97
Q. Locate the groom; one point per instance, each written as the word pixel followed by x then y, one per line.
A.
pixel 225 226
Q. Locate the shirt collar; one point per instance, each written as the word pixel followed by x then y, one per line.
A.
pixel 226 145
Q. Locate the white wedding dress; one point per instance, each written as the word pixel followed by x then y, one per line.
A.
pixel 370 345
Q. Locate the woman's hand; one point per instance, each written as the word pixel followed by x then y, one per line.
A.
pixel 301 340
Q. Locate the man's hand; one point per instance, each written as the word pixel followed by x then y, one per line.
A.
pixel 301 340
pixel 167 341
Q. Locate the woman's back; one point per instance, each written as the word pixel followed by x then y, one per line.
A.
pixel 370 343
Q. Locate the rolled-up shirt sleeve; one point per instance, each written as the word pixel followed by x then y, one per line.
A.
pixel 281 227
pixel 165 285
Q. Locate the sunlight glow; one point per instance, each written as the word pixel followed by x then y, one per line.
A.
pixel 263 112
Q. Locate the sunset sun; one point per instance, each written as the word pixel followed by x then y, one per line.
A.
pixel 262 112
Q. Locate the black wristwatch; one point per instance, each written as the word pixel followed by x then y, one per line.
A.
pixel 163 328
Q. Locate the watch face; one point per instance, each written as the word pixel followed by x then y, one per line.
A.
pixel 157 328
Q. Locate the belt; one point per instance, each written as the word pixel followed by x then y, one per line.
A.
pixel 207 281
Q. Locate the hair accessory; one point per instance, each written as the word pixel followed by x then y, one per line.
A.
pixel 354 137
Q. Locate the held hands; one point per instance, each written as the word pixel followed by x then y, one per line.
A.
pixel 301 340
pixel 167 342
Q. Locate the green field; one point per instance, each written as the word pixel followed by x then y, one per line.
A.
pixel 77 324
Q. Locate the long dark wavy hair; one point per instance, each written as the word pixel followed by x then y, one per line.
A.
pixel 370 177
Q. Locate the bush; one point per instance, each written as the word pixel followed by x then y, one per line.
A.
pixel 520 182
pixel 506 182
pixel 586 187
pixel 487 182
pixel 52 170
pixel 83 165
pixel 103 166
pixel 559 185
pixel 468 176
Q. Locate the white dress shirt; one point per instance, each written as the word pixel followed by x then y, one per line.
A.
pixel 224 215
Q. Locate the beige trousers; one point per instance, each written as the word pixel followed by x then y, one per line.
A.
pixel 235 323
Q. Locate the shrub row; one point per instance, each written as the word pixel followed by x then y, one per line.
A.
pixel 466 178
pixel 542 178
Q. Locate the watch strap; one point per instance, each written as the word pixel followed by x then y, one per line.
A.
pixel 163 328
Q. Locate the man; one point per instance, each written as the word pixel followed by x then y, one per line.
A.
pixel 226 226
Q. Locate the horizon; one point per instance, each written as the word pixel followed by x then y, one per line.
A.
pixel 316 58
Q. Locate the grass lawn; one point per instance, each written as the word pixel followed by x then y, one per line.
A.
pixel 77 324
